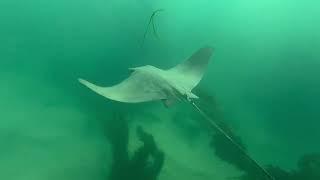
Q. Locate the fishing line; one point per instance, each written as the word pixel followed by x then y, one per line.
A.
pixel 217 127
pixel 151 21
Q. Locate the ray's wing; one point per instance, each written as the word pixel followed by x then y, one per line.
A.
pixel 191 71
pixel 138 87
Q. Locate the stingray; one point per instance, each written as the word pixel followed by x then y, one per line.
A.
pixel 149 83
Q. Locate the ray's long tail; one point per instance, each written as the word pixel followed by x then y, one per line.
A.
pixel 217 127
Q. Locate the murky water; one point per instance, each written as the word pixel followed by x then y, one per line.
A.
pixel 262 85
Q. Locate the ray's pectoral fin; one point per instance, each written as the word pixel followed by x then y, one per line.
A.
pixel 138 87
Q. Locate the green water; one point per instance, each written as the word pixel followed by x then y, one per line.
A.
pixel 264 77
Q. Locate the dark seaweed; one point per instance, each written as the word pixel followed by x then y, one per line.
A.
pixel 138 167
pixel 308 165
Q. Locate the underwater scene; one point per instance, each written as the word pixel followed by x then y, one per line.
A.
pixel 159 90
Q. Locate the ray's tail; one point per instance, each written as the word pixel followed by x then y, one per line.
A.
pixel 217 127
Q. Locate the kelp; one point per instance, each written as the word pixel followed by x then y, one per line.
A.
pixel 308 165
pixel 223 148
pixel 138 166
pixel 308 169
